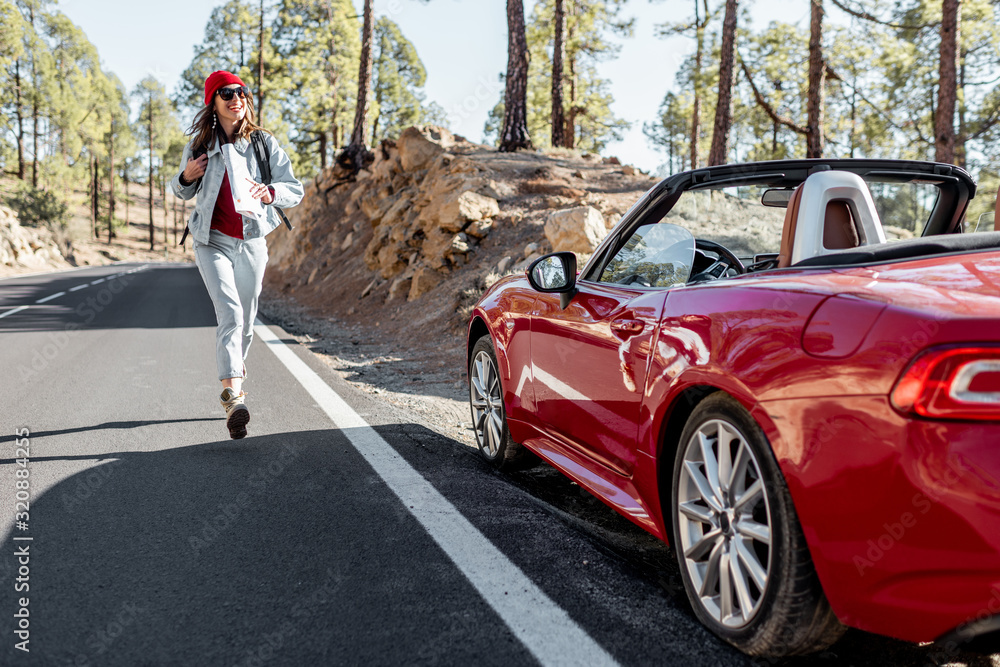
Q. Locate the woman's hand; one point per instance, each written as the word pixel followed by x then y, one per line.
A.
pixel 195 169
pixel 261 192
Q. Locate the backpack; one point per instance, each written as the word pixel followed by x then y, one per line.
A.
pixel 259 150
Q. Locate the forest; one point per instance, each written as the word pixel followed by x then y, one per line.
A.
pixel 912 79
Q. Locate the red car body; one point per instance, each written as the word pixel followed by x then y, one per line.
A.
pixel 901 512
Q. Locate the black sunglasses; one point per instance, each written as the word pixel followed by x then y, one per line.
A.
pixel 227 93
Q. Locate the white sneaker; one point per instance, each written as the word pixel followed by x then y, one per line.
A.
pixel 237 414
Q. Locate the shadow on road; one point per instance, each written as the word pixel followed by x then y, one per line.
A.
pixel 288 549
pixel 284 549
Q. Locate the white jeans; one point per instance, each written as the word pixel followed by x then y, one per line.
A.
pixel 233 270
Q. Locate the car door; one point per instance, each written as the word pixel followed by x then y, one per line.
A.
pixel 589 360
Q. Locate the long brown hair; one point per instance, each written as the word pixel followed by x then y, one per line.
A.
pixel 205 137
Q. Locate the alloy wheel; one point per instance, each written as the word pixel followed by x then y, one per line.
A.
pixel 724 522
pixel 487 404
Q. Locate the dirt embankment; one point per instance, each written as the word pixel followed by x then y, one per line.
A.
pixel 382 270
pixel 26 249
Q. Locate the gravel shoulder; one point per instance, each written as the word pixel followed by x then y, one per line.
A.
pixel 428 383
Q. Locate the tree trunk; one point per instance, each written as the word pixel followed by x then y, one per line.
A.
pixel 111 184
pixel 515 118
pixel 125 182
pixel 333 75
pixel 569 135
pixel 357 154
pixel 34 109
pixel 20 120
pixel 152 238
pixel 961 155
pixel 93 195
pixel 166 209
pixel 944 118
pixel 260 70
pixel 696 106
pixel 723 112
pixel 817 75
pixel 558 113
pixel 322 150
pixel 34 139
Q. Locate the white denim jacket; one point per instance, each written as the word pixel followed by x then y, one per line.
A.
pixel 287 190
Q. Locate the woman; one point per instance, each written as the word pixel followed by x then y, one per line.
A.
pixel 229 247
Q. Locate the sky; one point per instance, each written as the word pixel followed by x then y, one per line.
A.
pixel 462 43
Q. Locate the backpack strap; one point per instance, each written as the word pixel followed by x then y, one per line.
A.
pixel 259 150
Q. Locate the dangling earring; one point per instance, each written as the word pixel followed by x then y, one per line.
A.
pixel 214 119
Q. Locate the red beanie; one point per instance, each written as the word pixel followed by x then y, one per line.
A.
pixel 217 80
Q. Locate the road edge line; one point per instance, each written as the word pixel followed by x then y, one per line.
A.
pixel 544 628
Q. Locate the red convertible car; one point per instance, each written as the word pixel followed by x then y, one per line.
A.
pixel 790 371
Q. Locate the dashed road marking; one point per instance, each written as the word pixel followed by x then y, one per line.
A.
pixel 51 296
pixel 79 287
pixel 12 311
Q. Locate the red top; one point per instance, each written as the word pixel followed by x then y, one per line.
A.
pixel 224 217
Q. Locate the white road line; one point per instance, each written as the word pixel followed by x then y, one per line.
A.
pixel 79 287
pixel 51 296
pixel 97 282
pixel 543 627
pixel 12 311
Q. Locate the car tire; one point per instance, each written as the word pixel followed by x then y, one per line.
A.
pixel 489 415
pixel 743 557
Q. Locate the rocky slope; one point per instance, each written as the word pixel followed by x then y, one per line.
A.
pixel 25 249
pixel 407 246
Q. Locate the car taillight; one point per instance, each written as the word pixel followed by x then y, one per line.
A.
pixel 951 383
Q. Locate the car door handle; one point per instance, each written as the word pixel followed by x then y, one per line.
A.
pixel 624 328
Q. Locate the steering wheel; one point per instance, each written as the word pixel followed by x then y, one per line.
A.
pixel 727 260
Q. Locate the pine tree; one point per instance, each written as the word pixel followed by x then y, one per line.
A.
pixel 398 77
pixel 944 117
pixel 670 131
pixel 357 155
pixel 156 126
pixel 723 110
pixel 514 134
pixel 318 43
pixel 588 122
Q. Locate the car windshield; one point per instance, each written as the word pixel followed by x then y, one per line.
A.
pixel 735 217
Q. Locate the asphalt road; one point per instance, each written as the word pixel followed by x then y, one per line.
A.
pixel 339 532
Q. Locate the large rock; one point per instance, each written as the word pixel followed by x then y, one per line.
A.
pixel 424 280
pixel 455 211
pixel 419 146
pixel 27 247
pixel 578 229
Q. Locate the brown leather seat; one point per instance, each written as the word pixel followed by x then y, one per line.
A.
pixel 839 230
pixel 788 230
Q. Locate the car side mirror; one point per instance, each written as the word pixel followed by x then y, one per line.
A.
pixel 554 273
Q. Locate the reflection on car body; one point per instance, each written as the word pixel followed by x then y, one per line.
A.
pixel 772 366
